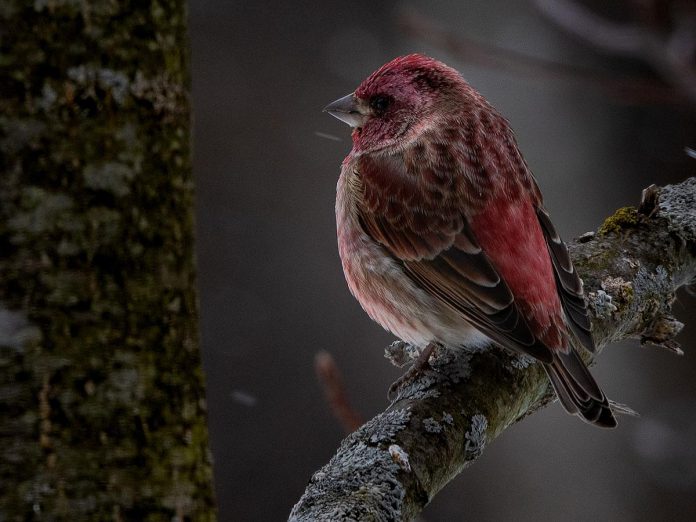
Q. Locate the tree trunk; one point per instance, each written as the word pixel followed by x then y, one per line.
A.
pixel 102 411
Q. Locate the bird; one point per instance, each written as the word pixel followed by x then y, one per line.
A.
pixel 443 235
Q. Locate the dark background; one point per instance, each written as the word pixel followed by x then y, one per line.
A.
pixel 272 290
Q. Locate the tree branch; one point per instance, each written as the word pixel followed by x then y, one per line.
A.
pixel 331 381
pixel 628 89
pixel 392 466
pixel 670 54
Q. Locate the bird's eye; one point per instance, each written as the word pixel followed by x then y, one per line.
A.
pixel 380 103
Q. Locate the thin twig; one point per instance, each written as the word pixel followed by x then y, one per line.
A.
pixel 625 89
pixel 671 55
pixel 330 378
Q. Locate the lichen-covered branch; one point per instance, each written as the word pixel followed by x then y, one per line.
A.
pixel 392 466
pixel 102 407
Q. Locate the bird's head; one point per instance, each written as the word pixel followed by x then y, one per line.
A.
pixel 399 101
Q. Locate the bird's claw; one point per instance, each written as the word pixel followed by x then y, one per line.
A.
pixel 420 365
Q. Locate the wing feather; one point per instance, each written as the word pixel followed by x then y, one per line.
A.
pixel 463 278
pixel 568 282
pixel 469 284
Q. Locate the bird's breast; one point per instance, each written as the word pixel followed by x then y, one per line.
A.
pixel 378 281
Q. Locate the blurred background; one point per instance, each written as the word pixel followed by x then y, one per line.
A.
pixel 595 128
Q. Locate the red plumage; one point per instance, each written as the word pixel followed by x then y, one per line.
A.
pixel 442 231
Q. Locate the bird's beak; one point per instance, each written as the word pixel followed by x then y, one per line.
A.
pixel 347 110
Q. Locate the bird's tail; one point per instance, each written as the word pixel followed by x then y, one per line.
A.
pixel 577 390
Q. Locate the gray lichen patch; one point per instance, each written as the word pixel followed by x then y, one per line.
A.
pixel 364 478
pixel 42 213
pixel 431 425
pixel 382 428
pixel 16 332
pixel 111 176
pixel 476 437
pixel 164 93
pixel 601 303
pixel 90 76
pixel 521 361
pixel 657 283
pixel 655 290
pixel 400 353
pixel 422 388
pixel 452 364
pixel 448 366
pixel 677 203
pixel 621 291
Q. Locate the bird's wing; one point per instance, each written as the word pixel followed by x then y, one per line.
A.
pixel 568 282
pixel 440 253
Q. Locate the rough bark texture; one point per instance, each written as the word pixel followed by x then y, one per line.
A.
pixel 393 465
pixel 102 412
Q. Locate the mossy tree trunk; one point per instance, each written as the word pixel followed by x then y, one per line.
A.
pixel 102 408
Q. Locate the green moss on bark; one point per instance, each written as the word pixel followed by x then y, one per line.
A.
pixel 106 415
pixel 623 218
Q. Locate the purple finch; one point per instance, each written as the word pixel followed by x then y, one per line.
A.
pixel 442 231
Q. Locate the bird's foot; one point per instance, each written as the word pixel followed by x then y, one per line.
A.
pixel 421 364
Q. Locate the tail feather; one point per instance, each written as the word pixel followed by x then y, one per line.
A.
pixel 577 390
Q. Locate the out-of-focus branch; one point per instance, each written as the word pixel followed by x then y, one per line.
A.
pixel 629 90
pixel 331 381
pixel 672 54
pixel 392 466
